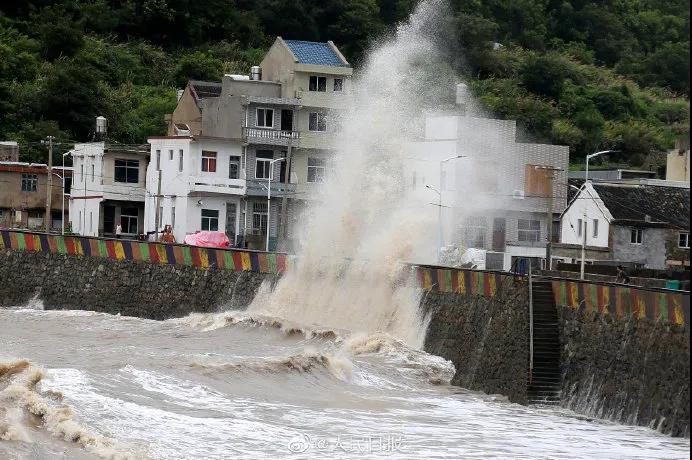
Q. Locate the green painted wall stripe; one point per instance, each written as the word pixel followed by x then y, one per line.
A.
pixel 187 255
pixel 144 250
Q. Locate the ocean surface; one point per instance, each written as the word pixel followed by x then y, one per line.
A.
pixel 83 385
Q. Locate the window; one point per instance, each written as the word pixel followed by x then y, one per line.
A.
pixel 474 232
pixel 316 170
pixel 127 171
pixel 210 220
pixel 129 219
pixel 172 216
pixel 595 228
pixel 265 118
pixel 170 155
pixel 29 182
pixel 636 236
pixel 338 84
pixel 262 164
pixel 68 185
pixel 234 167
pixel 529 230
pixel 318 121
pixel 259 218
pixel 92 173
pixel 318 83
pixel 684 240
pixel 158 160
pixel 81 172
pixel 180 160
pixel 580 227
pixel 208 161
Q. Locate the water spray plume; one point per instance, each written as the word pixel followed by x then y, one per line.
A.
pixel 362 214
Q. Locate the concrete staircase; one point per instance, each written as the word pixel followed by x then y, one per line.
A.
pixel 544 381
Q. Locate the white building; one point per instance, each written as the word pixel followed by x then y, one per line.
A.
pixel 497 196
pixel 108 188
pixel 280 115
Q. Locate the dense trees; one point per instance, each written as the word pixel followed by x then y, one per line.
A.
pixel 612 73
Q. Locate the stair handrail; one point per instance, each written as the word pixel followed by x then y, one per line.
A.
pixel 530 325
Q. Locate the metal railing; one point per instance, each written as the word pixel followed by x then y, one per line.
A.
pixel 268 133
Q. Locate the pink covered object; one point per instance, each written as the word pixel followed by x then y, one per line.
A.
pixel 208 240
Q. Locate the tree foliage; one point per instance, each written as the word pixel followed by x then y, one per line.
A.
pixel 612 73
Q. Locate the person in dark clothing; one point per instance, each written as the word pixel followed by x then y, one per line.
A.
pixel 622 275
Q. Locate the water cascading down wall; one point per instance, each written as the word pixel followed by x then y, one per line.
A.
pixel 624 352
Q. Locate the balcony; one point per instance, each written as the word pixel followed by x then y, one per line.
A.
pixel 258 187
pixel 212 184
pixel 268 136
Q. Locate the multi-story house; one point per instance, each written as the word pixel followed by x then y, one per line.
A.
pixel 108 188
pixel 226 140
pixel 497 194
pixel 644 223
pixel 23 195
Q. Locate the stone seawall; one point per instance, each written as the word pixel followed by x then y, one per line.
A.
pixel 481 325
pixel 633 371
pixel 126 287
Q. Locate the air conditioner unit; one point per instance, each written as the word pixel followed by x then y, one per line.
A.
pixel 518 195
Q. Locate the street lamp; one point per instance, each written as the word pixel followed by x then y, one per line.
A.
pixel 594 155
pixel 269 197
pixel 439 204
pixel 439 219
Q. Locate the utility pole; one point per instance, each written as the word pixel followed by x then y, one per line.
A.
pixel 157 218
pixel 49 185
pixel 549 214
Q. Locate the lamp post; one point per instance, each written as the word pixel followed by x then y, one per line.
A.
pixel 439 203
pixel 439 219
pixel 269 197
pixel 584 226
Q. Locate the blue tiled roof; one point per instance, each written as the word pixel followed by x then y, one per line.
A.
pixel 314 53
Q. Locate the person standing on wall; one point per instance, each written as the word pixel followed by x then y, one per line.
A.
pixel 167 236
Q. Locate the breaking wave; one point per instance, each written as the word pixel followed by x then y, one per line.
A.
pixel 306 362
pixel 20 398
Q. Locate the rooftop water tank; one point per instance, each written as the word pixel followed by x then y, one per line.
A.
pixel 255 72
pixel 101 125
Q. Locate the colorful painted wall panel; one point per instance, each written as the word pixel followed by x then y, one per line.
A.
pixel 459 281
pixel 620 302
pixel 138 251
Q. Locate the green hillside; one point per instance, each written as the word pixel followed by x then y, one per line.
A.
pixel 612 73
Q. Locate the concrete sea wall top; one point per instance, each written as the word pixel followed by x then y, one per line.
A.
pixel 156 253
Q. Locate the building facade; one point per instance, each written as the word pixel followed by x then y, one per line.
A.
pixel 108 189
pixel 23 195
pixel 237 136
pixel 678 162
pixel 635 224
pixel 497 194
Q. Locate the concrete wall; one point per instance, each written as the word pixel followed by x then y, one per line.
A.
pixel 678 165
pixel 186 112
pixel 590 203
pixel 122 287
pixel 486 337
pixel 651 252
pixel 634 371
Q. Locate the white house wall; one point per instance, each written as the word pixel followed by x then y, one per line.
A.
pixel 589 201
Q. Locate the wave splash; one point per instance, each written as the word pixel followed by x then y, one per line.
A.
pixel 20 398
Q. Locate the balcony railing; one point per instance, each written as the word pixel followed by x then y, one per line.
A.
pixel 271 135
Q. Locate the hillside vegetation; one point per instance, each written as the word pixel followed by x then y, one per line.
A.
pixel 589 74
